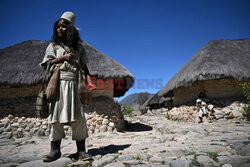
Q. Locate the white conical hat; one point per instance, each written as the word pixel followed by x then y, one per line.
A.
pixel 198 101
pixel 203 103
pixel 210 106
pixel 70 16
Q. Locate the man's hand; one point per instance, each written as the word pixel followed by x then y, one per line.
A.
pixel 61 59
pixel 69 57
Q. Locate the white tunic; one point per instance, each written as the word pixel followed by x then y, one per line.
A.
pixel 67 107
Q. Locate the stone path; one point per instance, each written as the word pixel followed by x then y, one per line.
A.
pixel 148 141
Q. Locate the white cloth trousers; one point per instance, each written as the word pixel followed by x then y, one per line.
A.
pixel 202 111
pixel 79 130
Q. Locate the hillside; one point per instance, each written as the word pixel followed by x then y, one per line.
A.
pixel 136 99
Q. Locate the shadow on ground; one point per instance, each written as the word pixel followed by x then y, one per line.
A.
pixel 108 149
pixel 103 151
pixel 137 127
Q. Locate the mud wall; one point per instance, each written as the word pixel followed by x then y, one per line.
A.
pixel 217 89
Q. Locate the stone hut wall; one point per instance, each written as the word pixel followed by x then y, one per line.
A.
pixel 20 102
pixel 103 92
pixel 217 89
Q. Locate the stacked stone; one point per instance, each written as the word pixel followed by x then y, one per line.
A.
pixel 105 108
pixel 234 110
pixel 18 127
pixel 102 123
pixel 183 113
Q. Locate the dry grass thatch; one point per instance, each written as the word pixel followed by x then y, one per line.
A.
pixel 224 58
pixel 155 100
pixel 150 101
pixel 19 65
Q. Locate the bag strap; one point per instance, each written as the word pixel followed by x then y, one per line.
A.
pixel 45 79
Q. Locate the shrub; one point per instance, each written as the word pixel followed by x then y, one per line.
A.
pixel 127 110
pixel 167 116
pixel 246 91
pixel 138 157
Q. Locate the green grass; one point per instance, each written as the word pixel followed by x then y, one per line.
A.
pixel 213 155
pixel 246 111
pixel 127 110
pixel 246 92
pixel 246 142
pixel 138 157
pixel 167 116
pixel 195 162
pixel 190 153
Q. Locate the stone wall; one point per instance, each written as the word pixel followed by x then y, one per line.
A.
pixel 18 101
pixel 104 88
pixel 102 106
pixel 103 92
pixel 7 91
pixel 226 89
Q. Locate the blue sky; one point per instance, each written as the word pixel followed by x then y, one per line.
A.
pixel 153 39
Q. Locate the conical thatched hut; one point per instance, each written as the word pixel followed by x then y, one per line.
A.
pixel 156 101
pixel 216 70
pixel 21 75
pixel 152 102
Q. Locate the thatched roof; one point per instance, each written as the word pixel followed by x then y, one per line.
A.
pixel 155 99
pixel 224 58
pixel 150 101
pixel 163 99
pixel 19 65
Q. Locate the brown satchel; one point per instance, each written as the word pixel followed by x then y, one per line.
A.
pixel 42 110
pixel 85 93
pixel 53 85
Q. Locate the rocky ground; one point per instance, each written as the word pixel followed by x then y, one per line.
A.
pixel 148 140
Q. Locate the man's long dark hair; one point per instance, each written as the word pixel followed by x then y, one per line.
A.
pixel 72 37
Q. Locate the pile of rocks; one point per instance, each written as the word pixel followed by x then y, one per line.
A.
pixel 19 127
pixel 107 112
pixel 234 110
pixel 190 113
pixel 101 123
pixel 185 113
